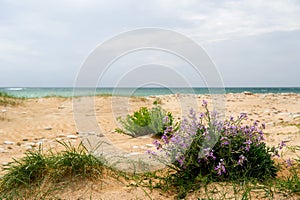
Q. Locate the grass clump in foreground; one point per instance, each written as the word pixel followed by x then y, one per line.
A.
pixel 8 100
pixel 25 176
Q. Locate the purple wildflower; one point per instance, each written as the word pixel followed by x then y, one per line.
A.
pixel 165 139
pixel 248 143
pixel 241 160
pixel 201 115
pixel 261 135
pixel 282 144
pixel 151 153
pixel 168 130
pixel 243 116
pixel 208 152
pixel 224 141
pixel 181 160
pixel 220 168
pixel 157 144
pixel 166 120
pixel 289 162
pixel 204 103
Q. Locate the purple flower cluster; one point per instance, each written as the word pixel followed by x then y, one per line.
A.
pixel 220 168
pixel 205 139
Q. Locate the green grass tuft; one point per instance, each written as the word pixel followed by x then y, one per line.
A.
pixel 37 167
pixel 9 100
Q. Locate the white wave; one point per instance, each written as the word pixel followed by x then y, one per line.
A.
pixel 14 89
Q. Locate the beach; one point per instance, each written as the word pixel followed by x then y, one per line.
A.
pixel 44 121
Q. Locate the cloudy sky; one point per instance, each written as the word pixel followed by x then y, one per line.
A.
pixel 252 42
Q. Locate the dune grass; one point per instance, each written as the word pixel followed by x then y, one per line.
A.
pixel 9 100
pixel 27 177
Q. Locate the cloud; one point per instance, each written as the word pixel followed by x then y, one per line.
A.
pixel 60 34
pixel 235 19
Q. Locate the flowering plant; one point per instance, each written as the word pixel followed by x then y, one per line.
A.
pixel 223 150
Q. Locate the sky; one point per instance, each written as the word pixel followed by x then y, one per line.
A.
pixel 253 43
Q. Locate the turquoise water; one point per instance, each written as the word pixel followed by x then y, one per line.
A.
pixel 68 92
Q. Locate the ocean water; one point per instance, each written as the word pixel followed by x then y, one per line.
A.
pixel 31 92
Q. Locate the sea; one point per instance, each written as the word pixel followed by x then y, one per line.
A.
pixel 36 92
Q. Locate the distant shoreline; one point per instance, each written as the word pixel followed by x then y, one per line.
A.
pixel 34 92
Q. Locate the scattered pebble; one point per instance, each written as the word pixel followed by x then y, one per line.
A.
pixel 132 154
pixel 135 147
pixel 248 93
pixel 86 133
pixel 2 150
pixel 61 135
pixel 31 144
pixel 25 139
pixel 9 147
pixel 61 107
pixel 149 145
pixel 71 136
pixel 19 143
pixel 28 147
pixel 8 143
pixel 39 143
pixel 296 116
pixel 48 128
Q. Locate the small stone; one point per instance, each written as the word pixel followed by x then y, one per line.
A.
pixel 23 113
pixel 287 139
pixel 71 136
pixel 31 144
pixel 2 150
pixel 132 154
pixel 48 128
pixel 86 133
pixel 61 107
pixel 25 139
pixel 28 147
pixel 61 135
pixel 296 116
pixel 9 147
pixel 149 145
pixel 135 147
pixel 39 143
pixel 8 143
pixel 248 93
pixel 19 143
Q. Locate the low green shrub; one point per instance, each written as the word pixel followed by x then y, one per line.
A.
pixel 147 121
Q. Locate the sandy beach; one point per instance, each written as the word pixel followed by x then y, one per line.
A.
pixel 42 121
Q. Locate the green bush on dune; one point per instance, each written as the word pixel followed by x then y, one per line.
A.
pixel 147 121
